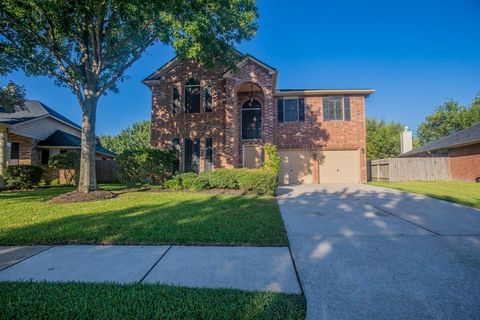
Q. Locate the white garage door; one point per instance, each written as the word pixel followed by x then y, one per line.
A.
pixel 339 166
pixel 296 167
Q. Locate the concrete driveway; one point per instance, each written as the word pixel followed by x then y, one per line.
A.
pixel 365 252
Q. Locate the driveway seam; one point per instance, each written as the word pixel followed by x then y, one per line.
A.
pixel 155 264
pixel 33 255
pixel 296 271
pixel 396 216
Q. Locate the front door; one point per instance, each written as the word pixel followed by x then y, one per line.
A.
pixel 252 156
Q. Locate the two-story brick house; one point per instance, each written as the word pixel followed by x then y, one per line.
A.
pixel 221 119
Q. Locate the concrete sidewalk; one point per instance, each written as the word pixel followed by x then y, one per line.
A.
pixel 246 268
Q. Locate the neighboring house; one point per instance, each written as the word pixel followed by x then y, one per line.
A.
pixel 462 148
pixel 32 134
pixel 221 119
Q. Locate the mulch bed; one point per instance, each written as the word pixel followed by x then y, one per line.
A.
pixel 76 196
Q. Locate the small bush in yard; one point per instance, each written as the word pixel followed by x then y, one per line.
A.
pixel 145 166
pixel 69 162
pixel 201 182
pixel 174 183
pixel 22 176
pixel 55 182
pixel 223 179
pixel 261 182
pixel 188 179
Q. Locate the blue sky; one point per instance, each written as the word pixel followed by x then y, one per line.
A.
pixel 415 54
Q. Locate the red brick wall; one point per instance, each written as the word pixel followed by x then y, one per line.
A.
pixel 166 125
pixel 224 123
pixel 465 162
pixel 316 134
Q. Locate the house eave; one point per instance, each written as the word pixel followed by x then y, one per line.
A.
pixel 324 92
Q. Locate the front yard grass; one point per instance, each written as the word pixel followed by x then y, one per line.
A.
pixel 467 193
pixel 140 218
pixel 29 300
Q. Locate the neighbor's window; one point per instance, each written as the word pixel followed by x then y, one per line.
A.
pixel 192 96
pixel 45 156
pixel 15 151
pixel 251 120
pixel 336 108
pixel 208 154
pixel 176 105
pixel 208 99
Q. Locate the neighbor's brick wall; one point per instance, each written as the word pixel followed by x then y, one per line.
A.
pixel 465 162
pixel 26 147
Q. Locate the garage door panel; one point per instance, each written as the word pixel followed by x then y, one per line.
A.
pixel 340 166
pixel 296 167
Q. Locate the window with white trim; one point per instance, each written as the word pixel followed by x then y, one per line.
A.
pixel 336 108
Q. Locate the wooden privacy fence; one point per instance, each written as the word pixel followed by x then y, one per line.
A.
pixel 410 169
pixel 106 171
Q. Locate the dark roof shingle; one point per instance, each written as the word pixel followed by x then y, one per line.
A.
pixel 62 139
pixel 32 109
pixel 467 136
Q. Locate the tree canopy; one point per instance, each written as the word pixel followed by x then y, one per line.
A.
pixel 88 45
pixel 136 137
pixel 11 96
pixel 383 139
pixel 448 118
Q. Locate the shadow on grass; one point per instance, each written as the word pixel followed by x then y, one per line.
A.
pixel 144 218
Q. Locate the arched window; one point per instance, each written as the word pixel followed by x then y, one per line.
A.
pixel 192 96
pixel 251 120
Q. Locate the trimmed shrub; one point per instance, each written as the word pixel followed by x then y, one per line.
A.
pixel 261 182
pixel 22 176
pixel 69 162
pixel 201 182
pixel 42 183
pixel 223 179
pixel 272 159
pixel 257 181
pixel 55 182
pixel 188 179
pixel 145 166
pixel 173 183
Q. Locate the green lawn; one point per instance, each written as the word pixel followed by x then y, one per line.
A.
pixel 467 193
pixel 28 300
pixel 140 218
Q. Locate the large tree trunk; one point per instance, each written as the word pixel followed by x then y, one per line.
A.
pixel 88 179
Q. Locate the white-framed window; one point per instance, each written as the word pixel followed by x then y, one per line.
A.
pixel 291 110
pixel 336 108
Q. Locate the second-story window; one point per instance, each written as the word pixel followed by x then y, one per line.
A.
pixel 208 99
pixel 176 105
pixel 291 109
pixel 192 96
pixel 336 108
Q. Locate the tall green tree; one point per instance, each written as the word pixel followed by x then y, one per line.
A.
pixel 11 96
pixel 132 138
pixel 383 139
pixel 87 45
pixel 448 118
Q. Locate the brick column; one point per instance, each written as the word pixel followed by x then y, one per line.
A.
pixel 3 154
